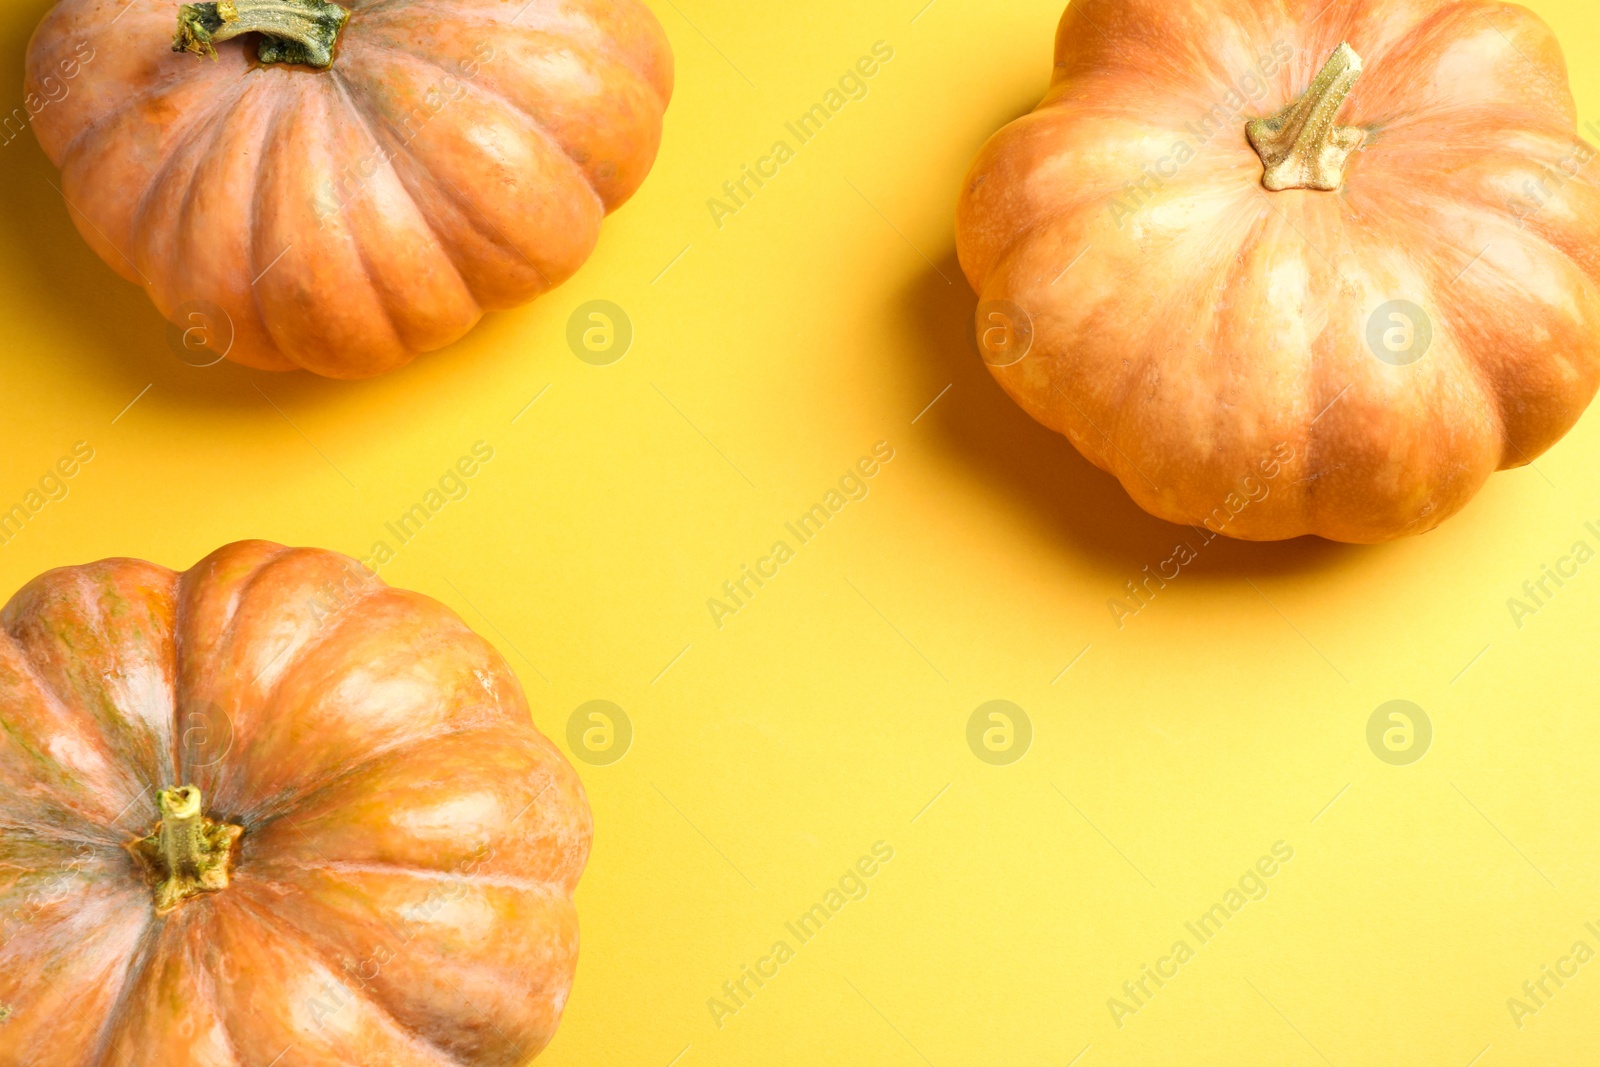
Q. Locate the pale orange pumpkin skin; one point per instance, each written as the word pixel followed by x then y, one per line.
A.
pixel 402 892
pixel 1190 339
pixel 457 157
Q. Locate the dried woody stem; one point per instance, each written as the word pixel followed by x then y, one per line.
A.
pixel 1301 146
pixel 187 854
pixel 293 31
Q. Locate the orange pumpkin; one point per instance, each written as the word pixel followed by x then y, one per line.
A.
pixel 341 190
pixel 268 808
pixel 1292 267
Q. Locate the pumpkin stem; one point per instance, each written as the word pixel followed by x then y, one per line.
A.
pixel 293 31
pixel 187 854
pixel 1300 146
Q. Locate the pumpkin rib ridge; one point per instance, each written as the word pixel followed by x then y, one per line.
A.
pixel 1114 433
pixel 469 208
pixel 263 571
pixel 144 953
pixel 182 653
pixel 1440 281
pixel 641 76
pixel 1061 208
pixel 1032 230
pixel 242 592
pixel 207 155
pixel 1228 270
pixel 511 105
pixel 1490 400
pixel 59 709
pixel 332 619
pixel 347 94
pixel 268 918
pixel 1198 99
pixel 1088 47
pixel 20 831
pixel 207 983
pixel 517 109
pixel 97 942
pixel 82 585
pixel 660 48
pixel 1225 280
pixel 1438 133
pixel 1478 117
pixel 261 871
pixel 1540 233
pixel 271 809
pixel 293 352
pixel 114 113
pixel 460 199
pixel 1315 522
pixel 224 1019
pixel 385 298
pixel 1000 264
pixel 552 900
pixel 173 153
pixel 1058 104
pixel 330 626
pixel 1306 487
pixel 121 106
pixel 239 592
pixel 1442 16
pixel 223 645
pixel 247 217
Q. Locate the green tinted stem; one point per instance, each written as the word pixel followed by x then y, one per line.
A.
pixel 292 31
pixel 188 854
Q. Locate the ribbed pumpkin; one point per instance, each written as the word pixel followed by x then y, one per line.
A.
pixel 341 188
pixel 1293 267
pixel 272 811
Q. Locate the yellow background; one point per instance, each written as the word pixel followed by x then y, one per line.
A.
pixel 827 714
